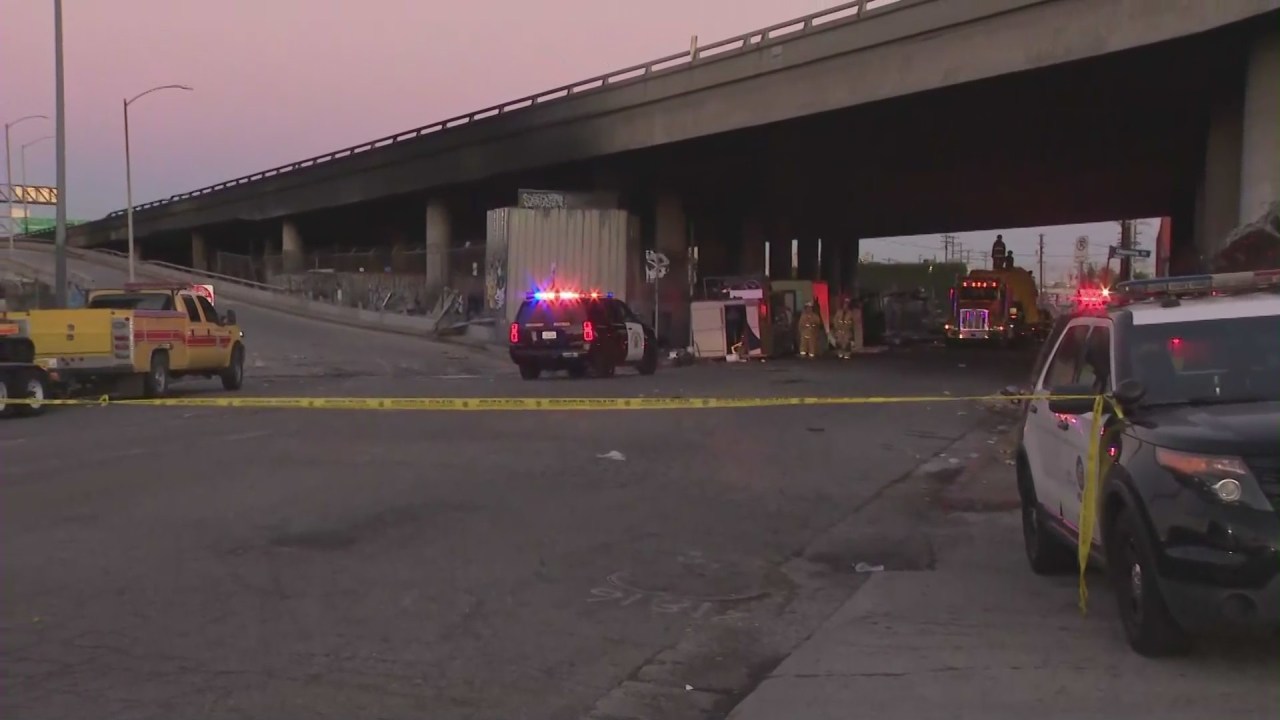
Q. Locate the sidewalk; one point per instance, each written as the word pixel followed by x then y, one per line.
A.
pixel 982 637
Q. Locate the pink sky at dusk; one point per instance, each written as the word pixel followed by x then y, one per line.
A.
pixel 280 80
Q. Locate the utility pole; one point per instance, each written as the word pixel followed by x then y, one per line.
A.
pixel 1041 257
pixel 1126 241
pixel 60 134
pixel 948 247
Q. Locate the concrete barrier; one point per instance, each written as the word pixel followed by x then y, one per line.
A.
pixel 272 298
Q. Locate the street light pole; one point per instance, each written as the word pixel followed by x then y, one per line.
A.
pixel 60 131
pixel 8 176
pixel 22 179
pixel 128 167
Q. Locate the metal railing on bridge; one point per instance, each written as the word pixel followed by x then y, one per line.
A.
pixel 746 42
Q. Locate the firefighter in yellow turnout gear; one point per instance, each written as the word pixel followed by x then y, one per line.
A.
pixel 843 326
pixel 810 331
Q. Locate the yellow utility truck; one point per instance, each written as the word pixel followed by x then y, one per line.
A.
pixel 152 332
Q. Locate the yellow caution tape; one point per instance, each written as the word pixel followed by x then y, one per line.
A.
pixel 516 403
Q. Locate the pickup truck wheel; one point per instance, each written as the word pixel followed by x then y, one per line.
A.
pixel 233 375
pixel 156 382
pixel 529 371
pixel 1150 629
pixel 5 406
pixel 35 389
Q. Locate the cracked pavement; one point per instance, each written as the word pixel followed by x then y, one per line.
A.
pixel 225 563
pixel 169 562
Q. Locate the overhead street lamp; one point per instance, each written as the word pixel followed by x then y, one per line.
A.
pixel 8 176
pixel 128 168
pixel 22 180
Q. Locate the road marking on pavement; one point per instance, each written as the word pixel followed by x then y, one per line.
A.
pixel 248 435
pixel 665 604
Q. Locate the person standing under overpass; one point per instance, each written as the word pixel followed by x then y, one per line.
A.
pixel 842 327
pixel 810 328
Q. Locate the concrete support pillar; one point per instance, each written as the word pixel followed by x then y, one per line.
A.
pixel 1218 195
pixel 292 257
pixel 439 240
pixel 199 252
pixel 780 237
pixel 1260 156
pixel 712 242
pixel 848 254
pixel 671 237
pixel 807 258
pixel 751 253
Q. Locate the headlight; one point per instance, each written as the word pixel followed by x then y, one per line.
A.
pixel 1225 477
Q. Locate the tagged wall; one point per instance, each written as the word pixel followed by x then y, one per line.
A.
pixel 587 249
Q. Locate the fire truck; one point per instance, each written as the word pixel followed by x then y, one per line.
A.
pixel 996 306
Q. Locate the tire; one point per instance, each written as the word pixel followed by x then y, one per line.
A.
pixel 233 376
pixel 32 386
pixel 155 383
pixel 6 409
pixel 577 371
pixel 530 372
pixel 1047 554
pixel 649 363
pixel 603 366
pixel 1148 626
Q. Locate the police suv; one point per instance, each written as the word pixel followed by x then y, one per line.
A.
pixel 1188 503
pixel 580 332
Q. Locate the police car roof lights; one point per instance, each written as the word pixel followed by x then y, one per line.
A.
pixel 562 295
pixel 1196 285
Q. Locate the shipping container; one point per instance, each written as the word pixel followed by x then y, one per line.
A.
pixel 582 249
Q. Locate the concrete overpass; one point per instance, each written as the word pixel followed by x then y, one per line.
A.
pixel 867 119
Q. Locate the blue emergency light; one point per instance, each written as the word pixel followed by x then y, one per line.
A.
pixel 563 295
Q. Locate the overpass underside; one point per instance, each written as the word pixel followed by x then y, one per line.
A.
pixel 1184 129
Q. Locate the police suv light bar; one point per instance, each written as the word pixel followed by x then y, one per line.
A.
pixel 1187 285
pixel 545 295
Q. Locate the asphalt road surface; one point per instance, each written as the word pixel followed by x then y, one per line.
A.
pixel 202 562
pixel 175 562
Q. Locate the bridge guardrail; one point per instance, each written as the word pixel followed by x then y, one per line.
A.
pixel 847 12
pixel 173 267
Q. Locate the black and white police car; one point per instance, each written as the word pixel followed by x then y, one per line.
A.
pixel 1188 504
pixel 580 332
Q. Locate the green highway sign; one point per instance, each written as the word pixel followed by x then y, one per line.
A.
pixel 36 224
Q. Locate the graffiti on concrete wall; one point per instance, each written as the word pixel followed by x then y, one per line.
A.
pixel 540 199
pixel 495 283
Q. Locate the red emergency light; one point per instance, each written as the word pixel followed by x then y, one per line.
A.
pixel 1092 299
pixel 566 295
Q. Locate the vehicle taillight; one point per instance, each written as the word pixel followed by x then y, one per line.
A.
pixel 515 332
pixel 122 338
pixel 588 331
